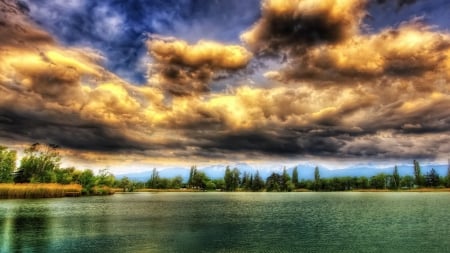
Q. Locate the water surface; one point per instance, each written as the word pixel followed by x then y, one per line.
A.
pixel 229 222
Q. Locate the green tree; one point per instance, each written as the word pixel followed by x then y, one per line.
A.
pixel 220 183
pixel 378 181
pixel 362 183
pixel 87 181
pixel 105 178
pixel 66 175
pixel 176 182
pixel 447 184
pixel 228 178
pixel 274 182
pixel 295 177
pixel 316 178
pixel 395 182
pixel 210 186
pixel 257 182
pixel 126 184
pixel 154 179
pixel 432 178
pixel 407 181
pixel 38 164
pixel 286 184
pixel 192 172
pixel 231 179
pixel 7 164
pixel 418 178
pixel 199 180
pixel 246 183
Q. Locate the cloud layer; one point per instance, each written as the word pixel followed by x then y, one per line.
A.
pixel 340 92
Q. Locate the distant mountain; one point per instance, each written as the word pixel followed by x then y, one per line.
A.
pixel 305 171
pixel 165 172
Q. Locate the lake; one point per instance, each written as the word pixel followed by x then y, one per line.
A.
pixel 229 222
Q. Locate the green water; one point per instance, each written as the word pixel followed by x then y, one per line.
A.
pixel 229 222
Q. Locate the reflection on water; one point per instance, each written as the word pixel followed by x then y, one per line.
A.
pixel 25 228
pixel 229 222
pixel 29 229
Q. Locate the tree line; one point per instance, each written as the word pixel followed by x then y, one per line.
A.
pixel 42 164
pixel 234 180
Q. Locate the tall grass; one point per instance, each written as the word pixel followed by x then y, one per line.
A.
pixel 29 191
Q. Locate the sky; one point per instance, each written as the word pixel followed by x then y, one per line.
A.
pixel 136 84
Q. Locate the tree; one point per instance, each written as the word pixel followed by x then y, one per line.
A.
pixel 362 183
pixel 246 183
pixel 257 182
pixel 231 179
pixel 378 181
pixel 295 177
pixel 126 184
pixel 176 182
pixel 210 186
pixel 407 181
pixel 220 183
pixel 418 178
pixel 316 178
pixel 38 164
pixel 228 178
pixel 7 164
pixel 192 172
pixel 105 178
pixel 154 179
pixel 236 179
pixel 286 184
pixel 395 184
pixel 274 182
pixel 432 178
pixel 66 175
pixel 447 184
pixel 199 180
pixel 87 181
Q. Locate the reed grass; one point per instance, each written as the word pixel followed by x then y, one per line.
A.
pixel 29 191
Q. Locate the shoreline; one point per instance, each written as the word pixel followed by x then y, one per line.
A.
pixel 298 190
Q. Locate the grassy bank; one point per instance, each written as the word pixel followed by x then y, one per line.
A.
pixel 29 191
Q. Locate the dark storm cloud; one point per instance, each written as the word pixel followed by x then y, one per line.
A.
pixel 67 131
pixel 296 25
pixel 282 142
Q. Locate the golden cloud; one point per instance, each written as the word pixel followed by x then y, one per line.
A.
pixel 184 69
pixel 411 50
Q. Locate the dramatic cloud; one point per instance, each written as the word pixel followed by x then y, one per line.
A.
pixel 184 69
pixel 293 25
pixel 410 50
pixel 340 92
